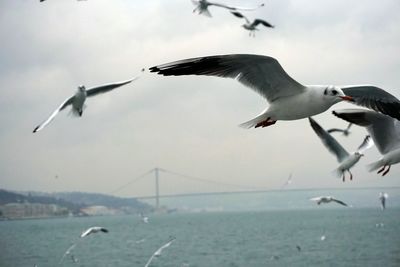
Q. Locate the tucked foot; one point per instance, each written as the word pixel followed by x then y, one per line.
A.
pixel 265 123
pixel 382 169
pixel 385 172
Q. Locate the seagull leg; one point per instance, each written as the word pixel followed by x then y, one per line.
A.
pixel 381 169
pixel 351 175
pixel 343 177
pixel 385 172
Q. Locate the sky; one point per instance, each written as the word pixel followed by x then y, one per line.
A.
pixel 186 124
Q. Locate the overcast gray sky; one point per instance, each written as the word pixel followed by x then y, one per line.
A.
pixel 185 124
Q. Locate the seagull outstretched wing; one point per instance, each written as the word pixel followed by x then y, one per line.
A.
pixel 339 202
pixel 106 87
pixel 374 98
pixel 330 143
pixel 67 102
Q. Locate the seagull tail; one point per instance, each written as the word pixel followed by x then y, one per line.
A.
pixel 375 165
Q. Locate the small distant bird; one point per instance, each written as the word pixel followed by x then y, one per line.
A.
pixel 382 197
pixel 288 182
pixel 78 99
pixel 202 7
pixel 327 199
pixel 158 251
pixel 93 230
pixel 67 252
pixel 345 132
pixel 288 99
pixel 252 26
pixel 384 130
pixel 323 237
pixel 145 219
pixel 345 159
pixel 298 248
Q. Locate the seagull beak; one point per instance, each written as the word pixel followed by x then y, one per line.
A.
pixel 347 98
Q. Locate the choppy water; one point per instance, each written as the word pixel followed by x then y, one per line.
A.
pixel 211 239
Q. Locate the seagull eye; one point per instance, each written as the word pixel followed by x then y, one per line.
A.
pixel 334 92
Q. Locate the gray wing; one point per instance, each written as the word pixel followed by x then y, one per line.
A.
pixel 106 88
pixel 384 130
pixel 263 22
pixel 64 104
pixel 339 202
pixel 367 143
pixel 335 130
pixel 261 73
pixel 235 8
pixel 330 143
pixel 240 15
pixel 374 98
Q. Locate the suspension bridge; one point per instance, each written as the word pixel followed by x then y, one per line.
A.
pixel 156 173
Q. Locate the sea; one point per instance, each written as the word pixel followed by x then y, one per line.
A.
pixel 336 236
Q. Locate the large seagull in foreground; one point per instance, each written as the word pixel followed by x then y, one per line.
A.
pixel 288 99
pixel 78 99
pixel 202 7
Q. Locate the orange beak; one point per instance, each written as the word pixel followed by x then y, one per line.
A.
pixel 347 98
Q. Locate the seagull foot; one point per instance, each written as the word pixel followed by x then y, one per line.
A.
pixel 382 169
pixel 385 172
pixel 265 123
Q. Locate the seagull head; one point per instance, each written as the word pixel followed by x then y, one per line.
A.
pixel 336 94
pixel 81 88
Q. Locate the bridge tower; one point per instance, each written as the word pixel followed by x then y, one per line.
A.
pixel 156 172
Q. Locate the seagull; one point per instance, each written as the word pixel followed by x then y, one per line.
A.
pixel 78 99
pixel 158 252
pixel 384 130
pixel 67 252
pixel 382 197
pixel 145 219
pixel 252 26
pixel 345 132
pixel 288 99
pixel 345 159
pixel 202 7
pixel 288 181
pixel 327 199
pixel 94 229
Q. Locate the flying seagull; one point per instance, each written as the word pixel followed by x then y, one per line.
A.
pixel 288 182
pixel 68 252
pixel 78 99
pixel 345 132
pixel 384 130
pixel 345 159
pixel 158 251
pixel 382 197
pixel 252 26
pixel 327 199
pixel 202 7
pixel 93 230
pixel 288 99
